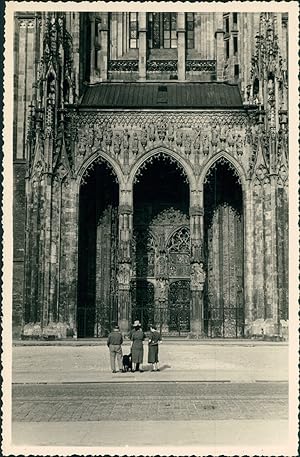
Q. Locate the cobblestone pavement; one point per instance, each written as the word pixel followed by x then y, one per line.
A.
pixel 149 401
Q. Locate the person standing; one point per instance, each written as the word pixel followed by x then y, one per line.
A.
pixel 114 343
pixel 137 351
pixel 154 341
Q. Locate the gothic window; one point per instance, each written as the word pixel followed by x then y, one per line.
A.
pixel 190 39
pixel 133 30
pixel 143 254
pixel 162 30
pixel 179 253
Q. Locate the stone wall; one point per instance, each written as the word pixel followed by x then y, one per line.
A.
pixel 63 145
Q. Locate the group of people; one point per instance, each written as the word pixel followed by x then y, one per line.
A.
pixel 135 359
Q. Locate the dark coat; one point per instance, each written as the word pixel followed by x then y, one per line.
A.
pixel 137 351
pixel 153 347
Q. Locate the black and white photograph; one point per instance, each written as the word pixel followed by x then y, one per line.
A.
pixel 150 180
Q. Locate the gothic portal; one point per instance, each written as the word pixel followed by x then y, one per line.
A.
pixel 151 153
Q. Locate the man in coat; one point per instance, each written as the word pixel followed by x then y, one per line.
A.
pixel 114 343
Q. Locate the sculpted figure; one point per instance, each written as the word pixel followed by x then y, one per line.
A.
pixel 198 276
pixel 205 144
pixel 239 144
pixel 161 265
pixel 162 289
pixel 144 138
pixel 124 273
pixel 135 143
pixel 151 132
pixel 188 144
pixel 179 138
pixel 170 132
pixel 117 144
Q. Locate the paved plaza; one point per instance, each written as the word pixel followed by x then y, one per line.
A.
pixel 153 400
pixel 209 394
pixel 181 360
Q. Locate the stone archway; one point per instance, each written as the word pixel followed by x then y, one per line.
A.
pixel 160 208
pixel 97 250
pixel 223 251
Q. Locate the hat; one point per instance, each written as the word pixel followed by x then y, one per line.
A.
pixel 116 327
pixel 136 324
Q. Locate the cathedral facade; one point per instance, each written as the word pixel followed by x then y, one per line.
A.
pixel 151 157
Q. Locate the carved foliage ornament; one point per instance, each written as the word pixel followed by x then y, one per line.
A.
pixel 201 65
pixel 128 136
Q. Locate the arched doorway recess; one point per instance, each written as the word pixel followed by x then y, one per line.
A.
pixel 97 251
pixel 161 245
pixel 224 251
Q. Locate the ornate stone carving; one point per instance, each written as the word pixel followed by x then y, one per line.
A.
pixel 123 65
pixel 161 265
pixel 108 137
pixel 192 136
pixel 222 161
pixel 198 276
pixel 155 157
pixel 144 138
pixel 151 132
pixel 135 144
pixel 149 121
pixel 179 138
pixel 239 144
pixel 170 133
pixel 283 173
pixel 117 144
pixel 161 130
pixel 124 274
pixel 261 172
pixel 170 216
pixel 162 65
pixel 201 65
pixel 205 142
pixel 162 289
pixel 188 144
pixel 85 139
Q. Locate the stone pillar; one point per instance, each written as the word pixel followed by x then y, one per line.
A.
pixel 219 36
pixel 197 267
pixel 161 304
pixel 196 229
pixel 92 50
pixel 181 46
pixel 142 46
pixel 103 52
pixel 198 277
pixel 68 274
pixel 249 259
pixel 125 268
pixel 275 324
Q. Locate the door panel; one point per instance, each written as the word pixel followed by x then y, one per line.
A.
pixel 224 306
pixel 161 269
pixel 142 296
pixel 179 306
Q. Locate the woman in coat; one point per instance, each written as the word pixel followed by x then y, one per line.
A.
pixel 137 351
pixel 154 341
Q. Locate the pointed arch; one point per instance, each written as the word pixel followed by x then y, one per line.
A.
pixel 232 161
pixel 162 150
pixel 102 156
